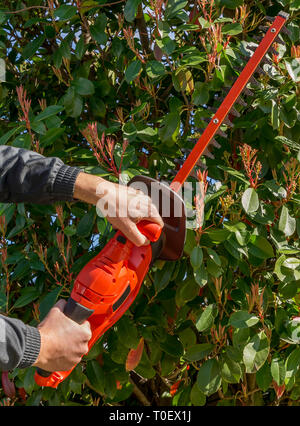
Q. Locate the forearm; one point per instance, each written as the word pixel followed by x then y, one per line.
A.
pixel 27 176
pixel 85 188
pixel 19 344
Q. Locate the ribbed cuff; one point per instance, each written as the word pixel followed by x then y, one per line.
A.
pixel 32 347
pixel 64 185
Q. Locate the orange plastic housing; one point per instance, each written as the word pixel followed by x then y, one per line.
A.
pixel 108 285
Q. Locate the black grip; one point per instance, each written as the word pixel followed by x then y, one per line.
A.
pixel 75 312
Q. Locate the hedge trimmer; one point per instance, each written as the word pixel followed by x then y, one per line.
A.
pixel 107 286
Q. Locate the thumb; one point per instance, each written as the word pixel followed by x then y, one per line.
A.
pixel 60 305
pixel 135 236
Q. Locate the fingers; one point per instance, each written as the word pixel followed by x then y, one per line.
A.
pixel 130 230
pixel 87 328
pixel 60 305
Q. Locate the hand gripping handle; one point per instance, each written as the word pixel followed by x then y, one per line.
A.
pixel 150 230
pixel 79 313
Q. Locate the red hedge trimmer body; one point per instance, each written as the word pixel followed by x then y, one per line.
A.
pixel 109 283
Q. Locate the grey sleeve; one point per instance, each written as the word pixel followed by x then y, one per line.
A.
pixel 28 177
pixel 19 344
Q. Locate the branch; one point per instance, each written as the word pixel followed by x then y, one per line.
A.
pixel 139 394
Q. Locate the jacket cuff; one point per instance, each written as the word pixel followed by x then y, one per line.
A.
pixel 64 184
pixel 32 347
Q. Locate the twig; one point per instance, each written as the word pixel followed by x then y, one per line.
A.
pixel 46 7
pixel 139 394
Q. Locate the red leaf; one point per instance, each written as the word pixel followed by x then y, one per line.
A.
pixel 278 389
pixel 134 356
pixel 8 386
pixel 174 387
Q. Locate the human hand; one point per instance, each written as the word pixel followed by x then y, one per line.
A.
pixel 63 341
pixel 124 207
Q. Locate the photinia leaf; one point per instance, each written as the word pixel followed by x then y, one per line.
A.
pixel 209 378
pixel 8 385
pixel 256 352
pixel 250 201
pixel 286 224
pixel 134 356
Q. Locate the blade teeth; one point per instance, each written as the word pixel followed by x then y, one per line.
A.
pixel 279 41
pixel 286 31
pixel 185 151
pixel 260 70
pixel 273 51
pixel 234 112
pixel 212 109
pixel 178 161
pixel 263 28
pixel 270 18
pixel 172 172
pixel 221 133
pixel 215 144
pixel 228 122
pixel 257 38
pixel 208 154
pixel 253 48
pixel 241 101
pixel 248 92
pixel 254 81
pixel 265 60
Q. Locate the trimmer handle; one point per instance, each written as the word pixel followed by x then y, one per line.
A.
pixel 151 230
pixel 79 313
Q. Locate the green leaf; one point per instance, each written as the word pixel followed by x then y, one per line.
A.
pixel 95 375
pixel 130 9
pixel 48 302
pixel 51 136
pixel 250 201
pixel 234 173
pixel 28 295
pixel 49 112
pixel 86 224
pixel 256 352
pixel 84 87
pixel 163 276
pixel 293 68
pixel 132 71
pixel 31 48
pixel 286 224
pixel 243 319
pixel 198 352
pixel 231 370
pixel 5 138
pixel 169 127
pixel 292 364
pixel 209 378
pixel 232 29
pixel 201 276
pixel 213 256
pixel 206 318
pixel 197 397
pixel 172 346
pixel 173 7
pixel 98 29
pixel 155 69
pixel 260 247
pixel 201 93
pixel 128 332
pixel 278 370
pixel 264 377
pixel 196 257
pixel 65 12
